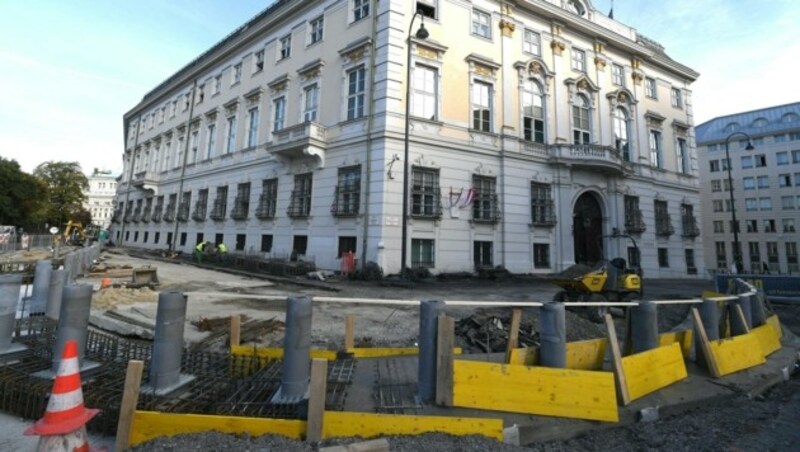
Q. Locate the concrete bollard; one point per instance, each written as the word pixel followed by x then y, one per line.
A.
pixel 296 351
pixel 57 280
pixel 644 327
pixel 37 303
pixel 429 311
pixel 553 335
pixel 165 364
pixel 73 320
pixel 759 314
pixel 9 298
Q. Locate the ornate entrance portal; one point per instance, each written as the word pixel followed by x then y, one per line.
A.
pixel 587 230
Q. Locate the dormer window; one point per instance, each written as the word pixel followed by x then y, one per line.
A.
pixel 576 7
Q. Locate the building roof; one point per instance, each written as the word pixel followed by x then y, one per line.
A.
pixel 765 121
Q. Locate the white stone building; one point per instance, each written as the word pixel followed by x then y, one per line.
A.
pixel 100 197
pixel 539 131
pixel 765 188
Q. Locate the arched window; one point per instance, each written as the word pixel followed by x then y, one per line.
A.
pixel 533 112
pixel 581 127
pixel 621 133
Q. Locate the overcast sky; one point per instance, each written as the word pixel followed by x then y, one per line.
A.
pixel 70 69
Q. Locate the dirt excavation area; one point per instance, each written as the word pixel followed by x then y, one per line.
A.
pixel 730 423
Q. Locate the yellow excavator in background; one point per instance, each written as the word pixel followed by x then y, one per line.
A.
pixel 75 234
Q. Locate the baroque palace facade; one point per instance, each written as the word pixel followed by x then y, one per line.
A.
pixel 541 133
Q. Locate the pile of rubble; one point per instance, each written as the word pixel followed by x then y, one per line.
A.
pixel 489 333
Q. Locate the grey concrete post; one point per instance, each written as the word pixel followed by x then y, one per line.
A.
pixel 9 298
pixel 429 311
pixel 41 287
pixel 57 280
pixel 737 328
pixel 644 327
pixel 73 320
pixel 553 335
pixel 710 316
pixel 165 364
pixel 296 350
pixel 69 268
pixel 759 314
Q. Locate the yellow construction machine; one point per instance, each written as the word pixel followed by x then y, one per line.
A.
pixel 75 234
pixel 610 280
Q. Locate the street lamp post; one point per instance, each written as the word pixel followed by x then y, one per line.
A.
pixel 422 33
pixel 737 249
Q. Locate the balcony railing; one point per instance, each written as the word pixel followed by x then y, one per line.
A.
pixel 157 214
pixel 544 214
pixel 634 222
pixel 183 212
pixel 218 210
pixel 169 213
pixel 241 208
pixel 300 206
pixel 128 216
pixel 146 180
pixel 146 214
pixel 199 213
pixel 590 156
pixel 345 203
pixel 266 208
pixel 307 139
pixel 664 226
pixel 137 215
pixel 690 228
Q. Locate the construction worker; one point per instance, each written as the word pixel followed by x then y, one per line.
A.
pixel 222 251
pixel 199 250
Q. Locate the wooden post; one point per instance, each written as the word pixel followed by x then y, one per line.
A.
pixel 236 330
pixel 130 398
pixel 445 340
pixel 740 315
pixel 616 361
pixel 349 327
pixel 513 332
pixel 704 344
pixel 316 399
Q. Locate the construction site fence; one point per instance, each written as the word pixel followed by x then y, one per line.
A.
pixel 31 242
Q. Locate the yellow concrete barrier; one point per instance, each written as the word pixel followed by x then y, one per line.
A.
pixel 737 353
pixel 370 425
pixel 581 355
pixel 148 425
pixel 649 371
pixel 568 393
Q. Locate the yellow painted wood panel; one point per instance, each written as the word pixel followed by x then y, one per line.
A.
pixel 525 356
pixel 770 342
pixel 150 424
pixel 581 355
pixel 377 352
pixel 277 353
pixel 535 390
pixel 737 353
pixel 370 425
pixel 775 323
pixel 652 370
pixel 684 338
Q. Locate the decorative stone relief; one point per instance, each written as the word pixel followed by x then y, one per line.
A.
pixel 558 47
pixel 600 63
pixel 507 28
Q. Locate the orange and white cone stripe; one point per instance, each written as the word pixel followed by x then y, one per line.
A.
pixel 65 411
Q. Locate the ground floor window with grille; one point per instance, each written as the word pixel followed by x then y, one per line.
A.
pixel 346 244
pixel 300 246
pixel 541 255
pixel 542 206
pixel 146 236
pixel 198 238
pixel 301 196
pixel 136 236
pixel 690 266
pixel 241 239
pixel 722 260
pixel 791 257
pixel 266 243
pixel 482 254
pixel 156 239
pixel 422 253
pixel 425 193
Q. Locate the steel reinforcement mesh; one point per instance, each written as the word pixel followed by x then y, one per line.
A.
pixel 223 384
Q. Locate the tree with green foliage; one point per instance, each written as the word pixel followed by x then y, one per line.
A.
pixel 23 197
pixel 67 186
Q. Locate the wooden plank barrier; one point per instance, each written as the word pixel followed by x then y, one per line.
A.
pixel 651 370
pixel 581 355
pixel 737 353
pixel 359 352
pixel 768 338
pixel 567 393
pixel 148 425
pixel 683 338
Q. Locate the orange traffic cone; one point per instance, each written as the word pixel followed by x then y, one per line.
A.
pixel 106 282
pixel 63 426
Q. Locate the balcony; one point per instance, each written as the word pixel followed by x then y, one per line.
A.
pixel 183 212
pixel 590 157
pixel 157 214
pixel 241 208
pixel 199 213
pixel 146 214
pixel 664 226
pixel 634 222
pixel 345 203
pixel 137 215
pixel 690 228
pixel 128 216
pixel 218 211
pixel 303 141
pixel 266 208
pixel 146 180
pixel 169 213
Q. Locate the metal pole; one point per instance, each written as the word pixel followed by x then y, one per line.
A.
pixel 296 351
pixel 9 298
pixel 553 335
pixel 73 321
pixel 404 233
pixel 737 251
pixel 165 366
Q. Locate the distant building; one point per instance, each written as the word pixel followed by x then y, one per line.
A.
pixel 766 188
pixel 100 197
pixel 540 131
